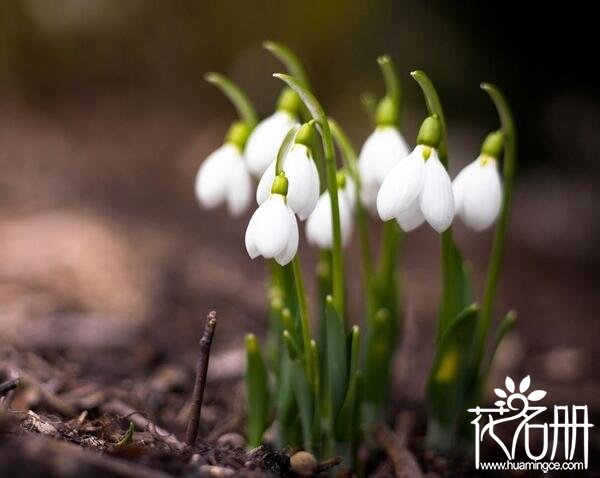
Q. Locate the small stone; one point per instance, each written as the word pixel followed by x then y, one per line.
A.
pixel 303 463
pixel 233 439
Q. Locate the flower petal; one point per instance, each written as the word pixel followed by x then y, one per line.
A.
pixel 290 250
pixel 412 218
pixel 303 177
pixel 319 229
pixel 401 186
pixel 253 251
pixel 458 185
pixel 263 190
pixel 510 385
pixel 501 393
pixel 211 180
pixel 482 196
pixel 273 230
pixel 239 187
pixel 264 141
pixel 437 200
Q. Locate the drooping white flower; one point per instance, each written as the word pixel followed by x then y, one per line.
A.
pixel 265 140
pixel 417 189
pixel 303 176
pixel 273 231
pixel 382 150
pixel 478 193
pixel 319 229
pixel 224 178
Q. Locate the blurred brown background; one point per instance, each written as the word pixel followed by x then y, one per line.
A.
pixel 105 118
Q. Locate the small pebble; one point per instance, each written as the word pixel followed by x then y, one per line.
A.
pixel 216 471
pixel 303 463
pixel 233 439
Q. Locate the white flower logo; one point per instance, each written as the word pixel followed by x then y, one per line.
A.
pixel 534 396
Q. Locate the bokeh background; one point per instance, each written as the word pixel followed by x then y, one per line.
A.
pixel 105 118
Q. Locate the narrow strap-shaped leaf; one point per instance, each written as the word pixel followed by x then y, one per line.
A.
pixel 337 357
pixel 257 392
pixel 236 96
pixel 505 326
pixel 302 392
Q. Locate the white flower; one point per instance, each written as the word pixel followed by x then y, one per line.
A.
pixel 415 190
pixel 273 231
pixel 303 176
pixel 380 153
pixel 478 193
pixel 319 229
pixel 223 178
pixel 265 140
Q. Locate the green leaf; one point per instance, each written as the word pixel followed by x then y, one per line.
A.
pixel 378 357
pixel 337 357
pixel 257 392
pixel 457 293
pixel 302 392
pixel 505 326
pixel 236 96
pixel 345 420
pixel 126 438
pixel 451 376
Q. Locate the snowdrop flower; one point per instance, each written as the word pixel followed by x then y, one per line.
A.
pixel 319 228
pixel 418 188
pixel 223 176
pixel 273 231
pixel 267 136
pixel 478 187
pixel 301 172
pixel 382 150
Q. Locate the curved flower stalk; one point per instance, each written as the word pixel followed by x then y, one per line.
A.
pixel 273 231
pixel 318 114
pixel 319 230
pixel 302 174
pixel 385 146
pixel 223 177
pixel 478 187
pixel 418 188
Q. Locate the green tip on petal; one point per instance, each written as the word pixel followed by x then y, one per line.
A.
pixel 280 185
pixel 493 144
pixel 430 133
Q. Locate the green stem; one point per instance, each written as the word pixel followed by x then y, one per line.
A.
pixel 350 160
pixel 497 252
pixel 284 149
pixel 389 250
pixel 392 83
pixel 303 311
pixel 316 110
pixel 289 59
pixel 434 107
pixel 236 96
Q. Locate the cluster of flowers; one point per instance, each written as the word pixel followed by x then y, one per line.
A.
pixel 410 187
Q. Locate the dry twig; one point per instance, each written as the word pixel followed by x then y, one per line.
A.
pixel 404 462
pixel 200 383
